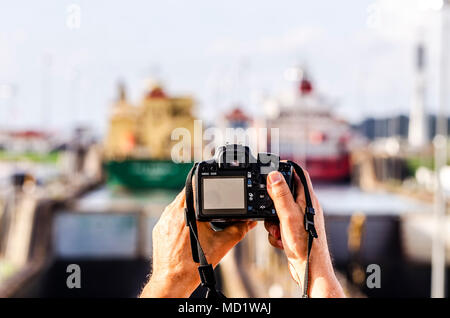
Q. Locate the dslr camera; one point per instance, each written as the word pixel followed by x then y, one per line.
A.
pixel 232 185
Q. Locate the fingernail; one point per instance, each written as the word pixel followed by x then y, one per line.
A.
pixel 272 230
pixel 276 232
pixel 274 177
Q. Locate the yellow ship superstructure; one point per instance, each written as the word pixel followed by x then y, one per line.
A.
pixel 159 116
pixel 139 143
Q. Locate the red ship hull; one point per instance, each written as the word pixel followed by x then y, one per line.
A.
pixel 327 169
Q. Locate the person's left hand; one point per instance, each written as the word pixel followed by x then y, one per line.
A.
pixel 174 272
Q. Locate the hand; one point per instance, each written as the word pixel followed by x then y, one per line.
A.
pixel 291 236
pixel 174 272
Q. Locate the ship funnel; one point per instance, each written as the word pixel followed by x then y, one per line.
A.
pixel 305 86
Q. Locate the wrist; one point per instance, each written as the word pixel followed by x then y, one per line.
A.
pixel 172 283
pixel 322 279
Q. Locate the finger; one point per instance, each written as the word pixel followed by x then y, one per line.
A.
pixel 308 180
pixel 269 223
pixel 273 229
pixel 275 242
pixel 234 232
pixel 281 195
pixel 311 190
pixel 299 192
pixel 252 224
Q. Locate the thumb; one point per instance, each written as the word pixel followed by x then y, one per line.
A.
pixel 281 195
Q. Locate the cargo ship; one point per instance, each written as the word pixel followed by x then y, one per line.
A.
pixel 309 132
pixel 138 144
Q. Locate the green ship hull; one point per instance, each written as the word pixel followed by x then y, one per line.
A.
pixel 146 174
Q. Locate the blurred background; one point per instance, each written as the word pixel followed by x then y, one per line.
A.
pixel 90 93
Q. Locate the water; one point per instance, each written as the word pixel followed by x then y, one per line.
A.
pixel 347 199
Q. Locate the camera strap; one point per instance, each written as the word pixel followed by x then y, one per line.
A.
pixel 308 222
pixel 206 270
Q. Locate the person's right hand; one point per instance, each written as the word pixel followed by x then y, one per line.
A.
pixel 291 236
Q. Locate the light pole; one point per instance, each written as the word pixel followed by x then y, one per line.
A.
pixel 440 146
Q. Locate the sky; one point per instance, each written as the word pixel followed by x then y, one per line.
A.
pixel 65 58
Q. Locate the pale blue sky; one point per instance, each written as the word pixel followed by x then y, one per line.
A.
pixel 198 47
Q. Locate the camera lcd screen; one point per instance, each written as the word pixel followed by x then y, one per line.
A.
pixel 224 194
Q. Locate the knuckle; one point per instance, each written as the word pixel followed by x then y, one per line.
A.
pixel 282 192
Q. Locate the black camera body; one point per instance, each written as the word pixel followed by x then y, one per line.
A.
pixel 232 185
